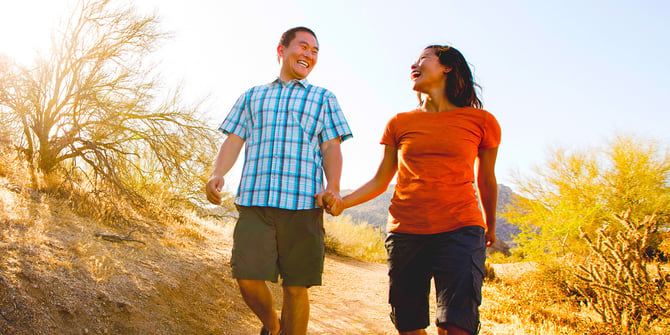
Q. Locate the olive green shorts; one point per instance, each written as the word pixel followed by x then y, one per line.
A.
pixel 270 242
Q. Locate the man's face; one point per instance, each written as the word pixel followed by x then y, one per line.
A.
pixel 299 57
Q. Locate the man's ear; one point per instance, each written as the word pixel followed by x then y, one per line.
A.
pixel 280 52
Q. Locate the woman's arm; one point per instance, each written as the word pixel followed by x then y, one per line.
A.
pixel 488 190
pixel 376 186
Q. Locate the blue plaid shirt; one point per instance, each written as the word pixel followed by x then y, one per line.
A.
pixel 283 125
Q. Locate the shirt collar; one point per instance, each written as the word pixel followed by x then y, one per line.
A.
pixel 303 82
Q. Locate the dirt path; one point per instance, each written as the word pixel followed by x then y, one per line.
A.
pixel 57 276
pixel 353 299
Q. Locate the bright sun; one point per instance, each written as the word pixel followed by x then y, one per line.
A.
pixel 26 26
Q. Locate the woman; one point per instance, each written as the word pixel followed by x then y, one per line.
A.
pixel 436 225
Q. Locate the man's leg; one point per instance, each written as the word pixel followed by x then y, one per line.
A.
pixel 295 310
pixel 258 297
pixel 452 330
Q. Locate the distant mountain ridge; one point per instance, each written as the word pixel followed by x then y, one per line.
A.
pixel 375 211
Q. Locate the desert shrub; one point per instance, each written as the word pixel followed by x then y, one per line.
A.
pixel 357 240
pixel 516 255
pixel 489 273
pixel 93 111
pixel 559 274
pixel 620 282
pixel 536 296
pixel 582 188
pixel 664 246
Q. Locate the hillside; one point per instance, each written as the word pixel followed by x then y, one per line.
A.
pixel 61 273
pixel 65 273
pixel 375 212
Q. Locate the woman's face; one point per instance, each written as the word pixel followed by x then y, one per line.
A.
pixel 428 73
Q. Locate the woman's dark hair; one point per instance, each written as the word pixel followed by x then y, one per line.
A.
pixel 460 84
pixel 289 35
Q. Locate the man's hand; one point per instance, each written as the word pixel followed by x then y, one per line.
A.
pixel 213 189
pixel 331 202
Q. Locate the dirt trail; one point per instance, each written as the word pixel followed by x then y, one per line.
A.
pixel 57 276
pixel 353 299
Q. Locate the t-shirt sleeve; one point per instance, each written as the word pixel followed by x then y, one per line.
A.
pixel 237 120
pixel 335 124
pixel 389 137
pixel 492 133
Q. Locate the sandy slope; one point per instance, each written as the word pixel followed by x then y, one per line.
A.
pixel 58 277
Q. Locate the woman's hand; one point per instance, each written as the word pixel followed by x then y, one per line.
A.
pixel 331 202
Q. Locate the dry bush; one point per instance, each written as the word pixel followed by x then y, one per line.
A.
pixel 537 299
pixel 360 241
pixel 624 287
pixel 664 244
pixel 489 273
pixel 94 111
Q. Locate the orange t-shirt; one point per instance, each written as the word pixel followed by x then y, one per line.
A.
pixel 435 189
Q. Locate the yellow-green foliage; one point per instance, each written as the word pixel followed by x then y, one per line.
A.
pixel 358 240
pixel 582 189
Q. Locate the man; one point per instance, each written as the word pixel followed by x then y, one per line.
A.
pixel 292 131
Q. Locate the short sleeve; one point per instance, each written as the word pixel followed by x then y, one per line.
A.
pixel 492 133
pixel 237 120
pixel 390 134
pixel 335 124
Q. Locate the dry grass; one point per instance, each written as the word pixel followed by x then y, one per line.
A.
pixel 57 275
pixel 541 299
pixel 171 276
pixel 357 240
pixel 527 301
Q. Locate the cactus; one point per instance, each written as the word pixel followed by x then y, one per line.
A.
pixel 622 285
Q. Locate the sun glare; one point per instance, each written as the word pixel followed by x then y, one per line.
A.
pixel 26 26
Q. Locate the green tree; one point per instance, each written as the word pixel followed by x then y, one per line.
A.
pixel 583 189
pixel 94 110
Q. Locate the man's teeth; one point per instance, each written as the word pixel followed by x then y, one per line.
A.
pixel 303 63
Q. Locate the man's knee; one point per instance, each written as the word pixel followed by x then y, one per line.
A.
pixel 295 291
pixel 249 285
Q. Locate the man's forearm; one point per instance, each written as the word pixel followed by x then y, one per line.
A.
pixel 227 156
pixel 332 165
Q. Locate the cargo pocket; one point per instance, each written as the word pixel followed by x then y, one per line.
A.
pixel 478 259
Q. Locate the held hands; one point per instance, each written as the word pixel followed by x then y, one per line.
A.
pixel 331 202
pixel 213 189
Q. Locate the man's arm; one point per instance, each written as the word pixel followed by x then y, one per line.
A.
pixel 225 159
pixel 332 166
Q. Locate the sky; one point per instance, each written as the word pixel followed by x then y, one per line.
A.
pixel 556 74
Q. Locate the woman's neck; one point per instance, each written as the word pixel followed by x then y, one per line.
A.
pixel 439 103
